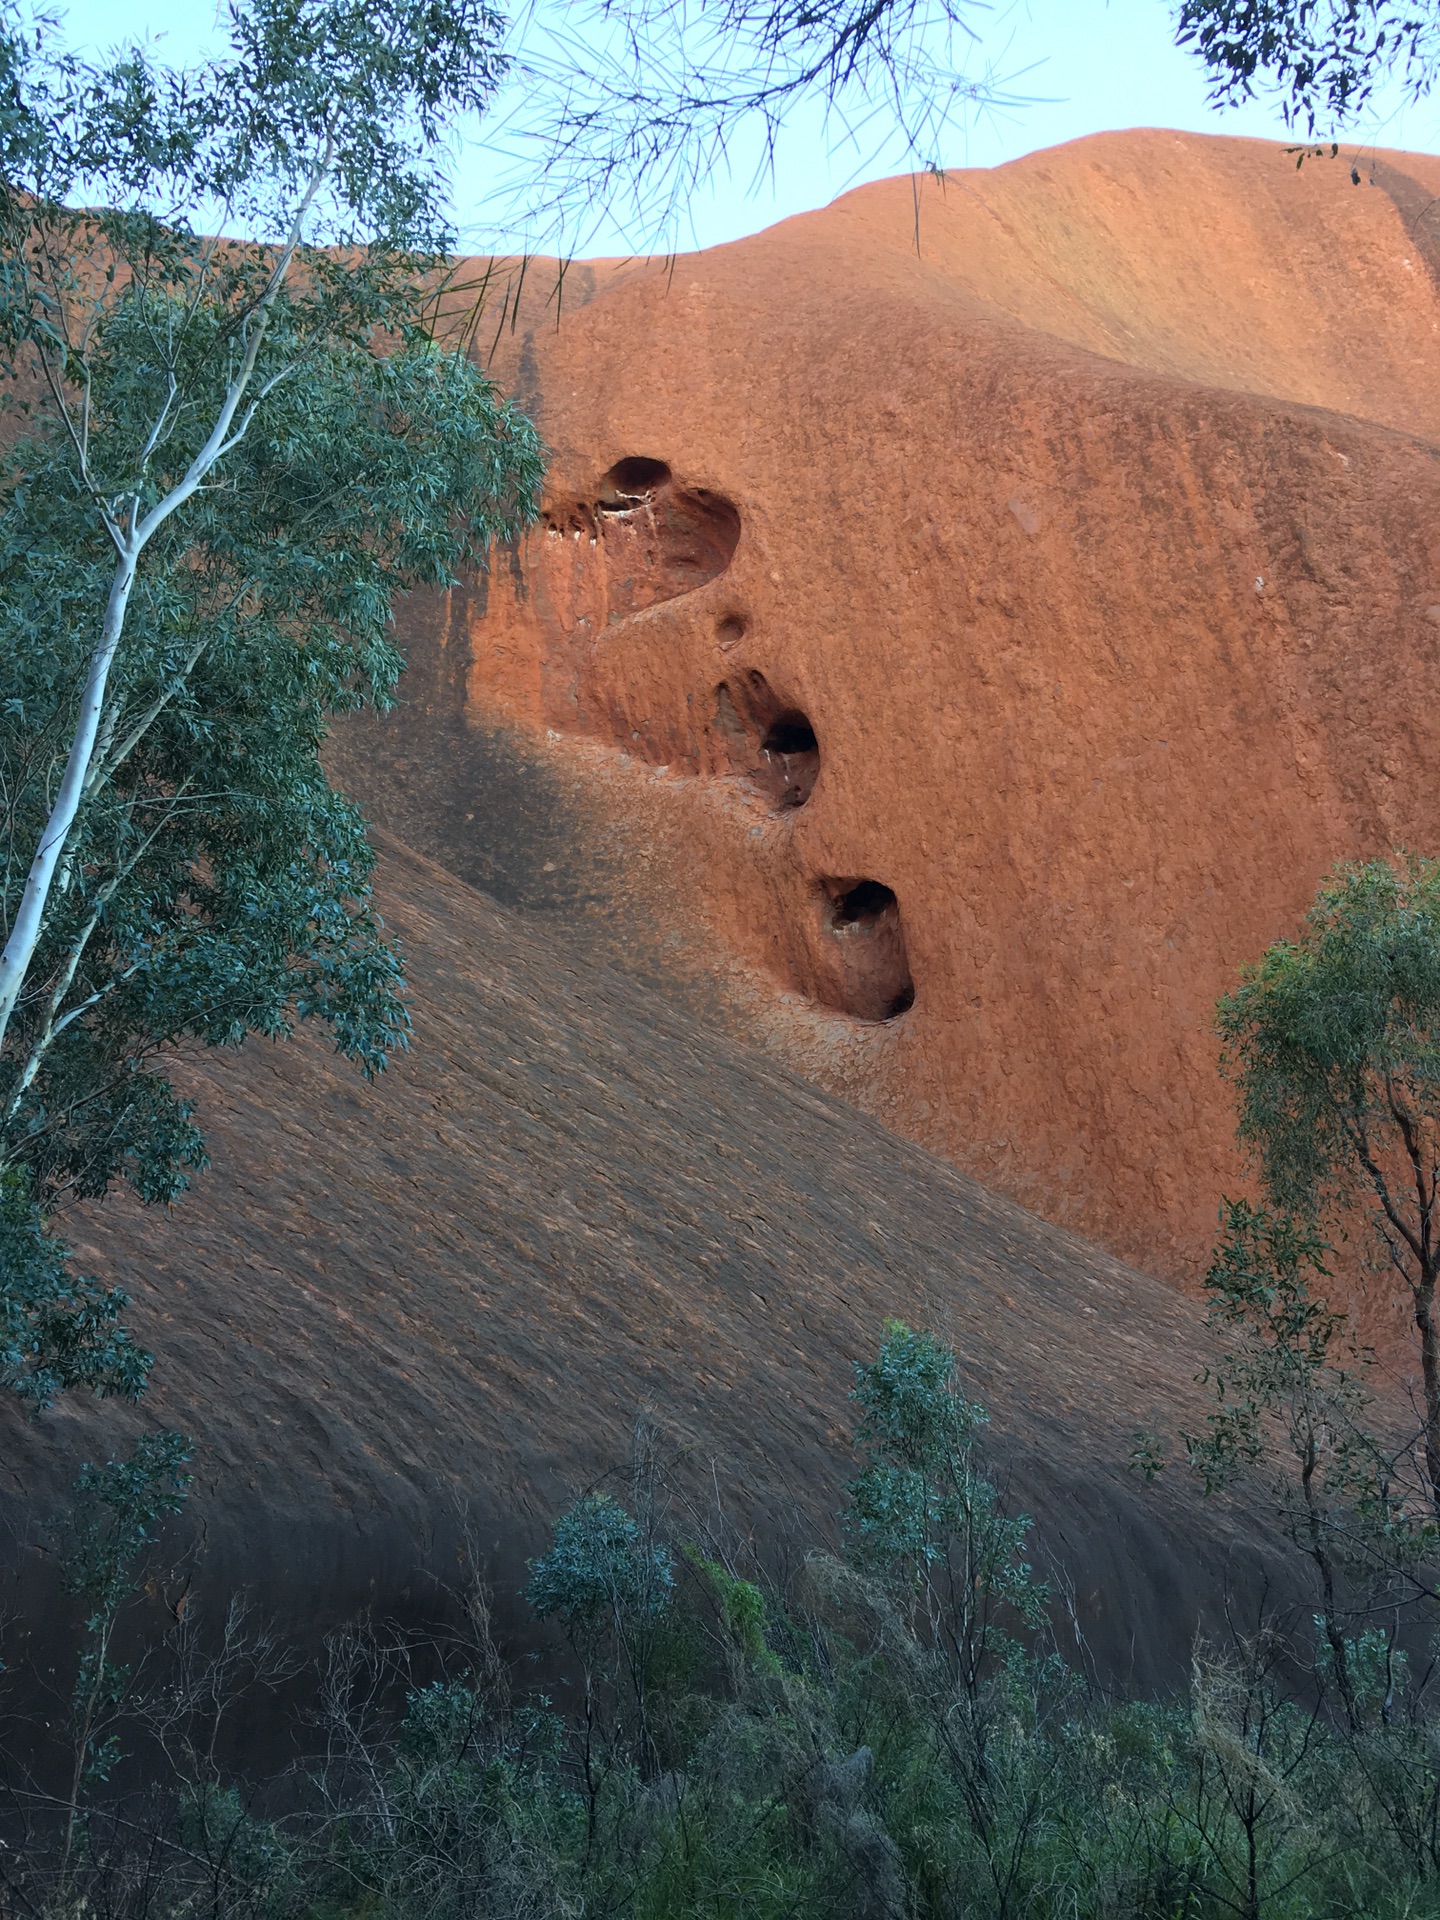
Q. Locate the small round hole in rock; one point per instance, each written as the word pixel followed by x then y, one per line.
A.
pixel 790 760
pixel 632 479
pixel 730 631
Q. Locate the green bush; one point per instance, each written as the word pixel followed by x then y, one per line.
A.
pixel 886 1735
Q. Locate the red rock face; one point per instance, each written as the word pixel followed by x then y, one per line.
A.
pixel 978 614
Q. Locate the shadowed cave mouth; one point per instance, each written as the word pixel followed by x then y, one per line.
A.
pixel 772 744
pixel 631 481
pixel 872 980
pixel 867 900
pixel 791 760
pixel 659 538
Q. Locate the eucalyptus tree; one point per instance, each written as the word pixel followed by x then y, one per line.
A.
pixel 928 1521
pixel 1291 1400
pixel 228 457
pixel 1333 1041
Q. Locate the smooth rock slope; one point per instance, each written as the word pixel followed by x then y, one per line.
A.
pixel 399 1316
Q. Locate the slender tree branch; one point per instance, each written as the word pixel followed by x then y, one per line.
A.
pixel 52 1026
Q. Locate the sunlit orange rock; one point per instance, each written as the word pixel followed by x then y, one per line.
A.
pixel 967 622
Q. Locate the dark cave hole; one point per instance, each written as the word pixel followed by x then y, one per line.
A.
pixel 867 972
pixel 771 744
pixel 793 734
pixel 866 900
pixel 632 479
pixel 790 760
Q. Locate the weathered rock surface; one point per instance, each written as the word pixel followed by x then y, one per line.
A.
pixel 950 650
pixel 966 624
pixel 394 1313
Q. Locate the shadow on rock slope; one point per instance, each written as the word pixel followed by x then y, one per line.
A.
pixel 400 1315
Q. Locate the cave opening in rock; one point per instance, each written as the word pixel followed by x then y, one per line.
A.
pixel 865 901
pixel 790 760
pixel 639 539
pixel 793 734
pixel 631 480
pixel 769 743
pixel 865 970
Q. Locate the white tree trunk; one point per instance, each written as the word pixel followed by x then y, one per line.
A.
pixel 229 429
pixel 30 917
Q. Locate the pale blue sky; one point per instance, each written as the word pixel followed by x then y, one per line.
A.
pixel 1087 65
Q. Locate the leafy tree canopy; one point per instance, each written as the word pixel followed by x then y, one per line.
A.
pixel 600 1564
pixel 227 460
pixel 1322 58
pixel 57 1329
pixel 923 1513
pixel 1333 1041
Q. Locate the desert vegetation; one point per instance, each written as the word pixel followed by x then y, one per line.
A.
pixel 889 1725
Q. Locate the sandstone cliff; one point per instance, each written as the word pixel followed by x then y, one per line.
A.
pixel 965 625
